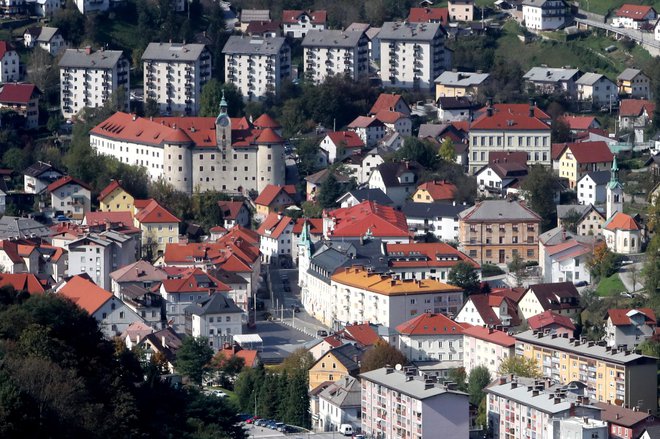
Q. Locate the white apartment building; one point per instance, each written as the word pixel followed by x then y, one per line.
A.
pixel 431 337
pixel 592 187
pixel 486 347
pixel 339 404
pixel 215 317
pixel 87 6
pixel 88 79
pixel 276 236
pixel 10 65
pixel 257 66
pixel 335 52
pixel 412 54
pixel 403 404
pixel 174 75
pixel 597 89
pixel 541 15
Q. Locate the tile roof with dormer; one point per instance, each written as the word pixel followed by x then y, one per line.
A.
pixel 274 225
pixel 621 317
pixel 194 280
pixel 439 190
pixel 230 208
pixel 429 15
pixel 590 152
pixel 272 191
pixel 636 107
pixel 378 220
pixel 490 335
pixel 426 254
pixel 153 212
pixel 509 121
pixel 549 318
pixel 430 324
pixel 110 188
pixel 636 12
pixel 293 16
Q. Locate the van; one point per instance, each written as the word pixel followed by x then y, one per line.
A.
pixel 346 429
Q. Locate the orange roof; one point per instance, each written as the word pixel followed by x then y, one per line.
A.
pixel 249 356
pixel 491 335
pixel 506 121
pixel 439 190
pixel 274 225
pixel 437 254
pixel 269 136
pixel 114 184
pixel 194 280
pixel 315 17
pixel 620 317
pixel 346 139
pixel 591 152
pixel 429 15
pixel 365 122
pixel 155 213
pixel 315 225
pixel 359 277
pixel 430 324
pixel 265 121
pixel 578 123
pixel 85 293
pixel 387 116
pixel 22 282
pixel 230 209
pixel 363 333
pixel 385 101
pixel 547 318
pixel 270 193
pixel 64 181
pixel 621 221
pixel 368 216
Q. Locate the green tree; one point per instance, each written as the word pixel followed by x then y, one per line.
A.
pixel 517 268
pixel 381 355
pixel 16 159
pixel 447 150
pixel 177 202
pixel 329 191
pixel 570 220
pixel 151 108
pixel 602 262
pixel 465 276
pixel 308 152
pixel 192 359
pixel 650 347
pixel 458 376
pixel 540 187
pixel 478 379
pixel 421 151
pixel 296 399
pixel 519 366
pixel 312 210
pixel 205 208
pixel 209 100
pixel 560 130
pixel 300 359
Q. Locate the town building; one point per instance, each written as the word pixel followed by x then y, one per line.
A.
pixel 22 99
pixel 398 180
pixel 591 187
pixel 13 227
pixel 549 80
pixel 341 144
pixel 626 423
pixel 253 15
pixel 545 15
pixel 499 177
pixel 629 327
pixel 401 403
pixel 275 199
pixel 590 219
pixel 340 403
pixel 158 226
pixel 610 374
pixel 46 38
pixel 497 309
pixel 581 126
pixel 395 122
pixel 439 219
pixel 568 261
pixel 421 43
pixel 549 321
pixel 493 231
pixel 456 84
pixel 33 256
pixel 89 6
pixel 631 16
pixel 38 176
pixel 434 191
pixel 598 90
pixel 234 212
pixel 390 102
pixel 369 129
pixel 114 198
pixel 335 365
pixel 174 75
pixel 635 84
pixel 257 66
pixel 486 346
pixel 461 10
pixel 431 337
pixel 27 282
pixel 561 297
pixel 635 113
pixel 89 78
pixel 429 15
pixel 10 64
pixel 367 219
pixel 297 24
pixel 454 109
pixel 335 52
pixel 215 317
pixel 163 344
pixel 276 236
pixel 579 158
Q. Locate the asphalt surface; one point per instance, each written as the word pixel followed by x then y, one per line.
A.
pixel 263 432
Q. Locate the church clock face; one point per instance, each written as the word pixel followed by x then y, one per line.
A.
pixel 224 121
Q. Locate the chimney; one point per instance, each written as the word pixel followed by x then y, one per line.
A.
pixel 502 380
pixel 535 393
pixel 514 384
pixel 162 340
pixel 489 111
pixel 88 50
pixel 586 420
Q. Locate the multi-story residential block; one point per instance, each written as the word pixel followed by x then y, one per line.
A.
pixel 549 80
pixel 591 187
pixel 439 219
pixel 627 423
pixel 524 407
pixel 22 99
pixel 578 159
pixel 335 52
pixel 486 347
pixel 493 231
pixel 70 196
pixel 431 337
pixel 10 68
pixel 635 113
pixel 138 286
pixel 425 260
pixel 297 24
pixel 174 75
pixel 629 327
pixel 461 10
pixel 597 89
pixel 38 176
pixel 335 365
pixel 215 317
pixel 634 83
pixel 47 38
pixel 340 403
pixel 205 153
pixel 542 15
pixel 633 16
pixel 257 66
pixel 610 374
pixel 158 226
pixel 401 403
pixel 412 54
pixel 88 79
pixel 561 297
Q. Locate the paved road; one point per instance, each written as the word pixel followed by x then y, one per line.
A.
pixel 626 275
pixel 647 39
pixel 262 432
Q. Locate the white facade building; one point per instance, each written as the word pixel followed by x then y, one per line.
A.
pixel 340 404
pixel 174 75
pixel 541 15
pixel 215 317
pixel 335 52
pixel 567 262
pixel 597 89
pixel 10 64
pixel 88 79
pixel 440 219
pixel 297 24
pixel 431 337
pixel 276 237
pixel 46 38
pixel 591 188
pixel 486 347
pixel 629 327
pixel 70 196
pixel 87 6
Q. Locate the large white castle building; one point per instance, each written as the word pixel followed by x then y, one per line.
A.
pixel 197 153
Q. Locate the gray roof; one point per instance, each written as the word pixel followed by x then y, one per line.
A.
pixel 216 303
pixel 344 393
pixel 587 349
pixel 555 236
pixel 549 74
pixel 564 209
pixel 348 355
pixel 248 15
pixel 332 38
pixel 372 32
pixel 461 79
pixel 598 177
pixel 38 168
pixel 362 27
pixel 332 255
pixel 432 210
pixel 16 227
pixel 172 52
pixel 242 45
pixel 391 171
pixel 376 195
pixel 499 210
pixel 628 74
pixel 409 31
pixel 454 103
pixel 139 271
pixel 101 59
pixel 398 380
pixel 47 34
pixel 590 78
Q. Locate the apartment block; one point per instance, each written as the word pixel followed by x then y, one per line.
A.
pixel 174 75
pixel 257 66
pixel 412 54
pixel 401 403
pixel 610 374
pixel 335 52
pixel 89 78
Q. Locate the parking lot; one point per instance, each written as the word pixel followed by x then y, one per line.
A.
pixel 262 432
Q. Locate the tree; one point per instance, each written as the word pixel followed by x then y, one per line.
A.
pixel 209 100
pixel 296 411
pixel 458 376
pixel 650 347
pixel 517 268
pixel 602 262
pixel 465 276
pixel 329 191
pixel 560 130
pixel 308 153
pixel 570 220
pixel 381 355
pixel 151 108
pixel 177 202
pixel 205 208
pixel 540 187
pixel 192 359
pixel 519 366
pixel 16 159
pixel 420 151
pixel 479 378
pixel 447 150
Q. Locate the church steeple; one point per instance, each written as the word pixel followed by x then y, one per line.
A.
pixel 223 126
pixel 223 104
pixel 614 192
pixel 614 174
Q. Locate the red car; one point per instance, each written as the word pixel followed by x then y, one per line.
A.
pixel 252 419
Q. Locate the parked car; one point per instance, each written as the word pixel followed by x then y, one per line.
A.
pixel 346 429
pixel 252 420
pixel 321 333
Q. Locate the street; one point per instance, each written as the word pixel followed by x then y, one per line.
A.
pixel 263 432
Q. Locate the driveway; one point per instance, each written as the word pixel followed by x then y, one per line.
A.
pixel 626 274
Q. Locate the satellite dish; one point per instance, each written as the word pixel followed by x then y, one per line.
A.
pixel 398 367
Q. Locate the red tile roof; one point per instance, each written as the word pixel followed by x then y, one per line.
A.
pixel 578 123
pixel 429 15
pixel 437 254
pixel 265 121
pixel 508 121
pixel 22 282
pixel 274 225
pixel 365 122
pixel 268 136
pixel 292 16
pixel 549 318
pixel 491 335
pixel 155 213
pixel 379 220
pixel 194 280
pixel 271 192
pixel 67 180
pixel 557 150
pixel 620 317
pixel 556 296
pixel 346 139
pixel 635 107
pixel 114 184
pixel 591 152
pixel 17 93
pixel 636 12
pixel 515 294
pixel 230 209
pixel 262 27
pixel 249 356
pixel 99 218
pixel 5 47
pixel 621 221
pixel 363 333
pixel 385 101
pixel 387 116
pixel 439 190
pixel 85 293
pixel 430 324
pixel 315 226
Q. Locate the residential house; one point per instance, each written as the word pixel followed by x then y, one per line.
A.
pixel 568 261
pixel 439 219
pixel 114 198
pixel 486 346
pixel 590 219
pixel 38 176
pixel 146 303
pixel 609 373
pixel 626 423
pixel 561 297
pixel 629 327
pixel 159 227
pixel 335 52
pixel 253 15
pixel 10 70
pixel 598 90
pixel 426 407
pixel 22 99
pixel 429 15
pixel 650 432
pixel 431 337
pixel 20 282
pixel 635 84
pixel 46 38
pixel 32 255
pixel 87 6
pixel 549 80
pixel 577 159
pixel 296 24
pixel 45 8
pixel 452 109
pixel 357 196
pixel 434 191
pixel 390 102
pixel 215 317
pixel 275 199
pixel 234 212
pixel 497 309
pixel 275 232
pixel 545 15
pixel 461 10
pixel 656 30
pixel 591 187
pixel 239 290
pixel 632 16
pixel 498 177
pixel 264 29
pixel 549 321
pixel 369 129
pixel 425 260
pixel 339 404
pixel 140 273
pixel 251 357
pixel 335 365
pixel 360 166
pixel 70 196
pixel 316 180
pixel 398 180
pixel 454 84
pixel 580 125
pixel 12 227
pixel 623 234
pixel 493 231
pixel 113 315
pixel 635 113
pixel 395 122
pixel 164 343
pixel 340 144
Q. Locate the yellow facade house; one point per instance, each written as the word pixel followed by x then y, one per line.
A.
pixel 578 159
pixel 114 198
pixel 159 227
pixel 335 365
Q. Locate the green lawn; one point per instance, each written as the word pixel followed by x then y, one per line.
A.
pixel 610 286
pixel 603 6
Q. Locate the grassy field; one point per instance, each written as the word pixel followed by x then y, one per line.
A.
pixel 603 6
pixel 610 286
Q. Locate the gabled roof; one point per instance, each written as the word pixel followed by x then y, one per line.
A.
pixel 484 304
pixel 391 171
pixel 556 296
pixel 430 324
pixel 272 191
pixel 508 121
pixel 425 254
pixel 111 187
pixel 387 101
pixel 621 221
pixel 38 168
pixel 517 109
pixel 319 177
pixel 231 209
pixel 490 335
pixel 363 333
pixel 367 194
pixel 347 354
pixel 259 28
pixel 439 190
pixel 429 15
pixel 618 415
pixel 591 78
pixel 140 271
pixel 499 210
pixel 194 280
pixel 549 318
pixel 165 341
pixel 636 12
pixel 591 152
pixel 600 178
pixel 432 210
pixel 368 216
pixel 578 123
pixel 22 282
pixel 274 225
pixel 18 93
pixel 569 249
pixel 153 212
pixel 621 317
pixel 454 103
pixel 265 121
pixel 85 293
pixel 549 74
pixel 101 218
pixel 387 116
pixel 65 181
pixel 216 303
pixel 346 139
pixel 636 107
pixel 315 226
pixel 629 74
pixel 5 47
pixel 292 16
pixel 450 78
pixel 365 122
